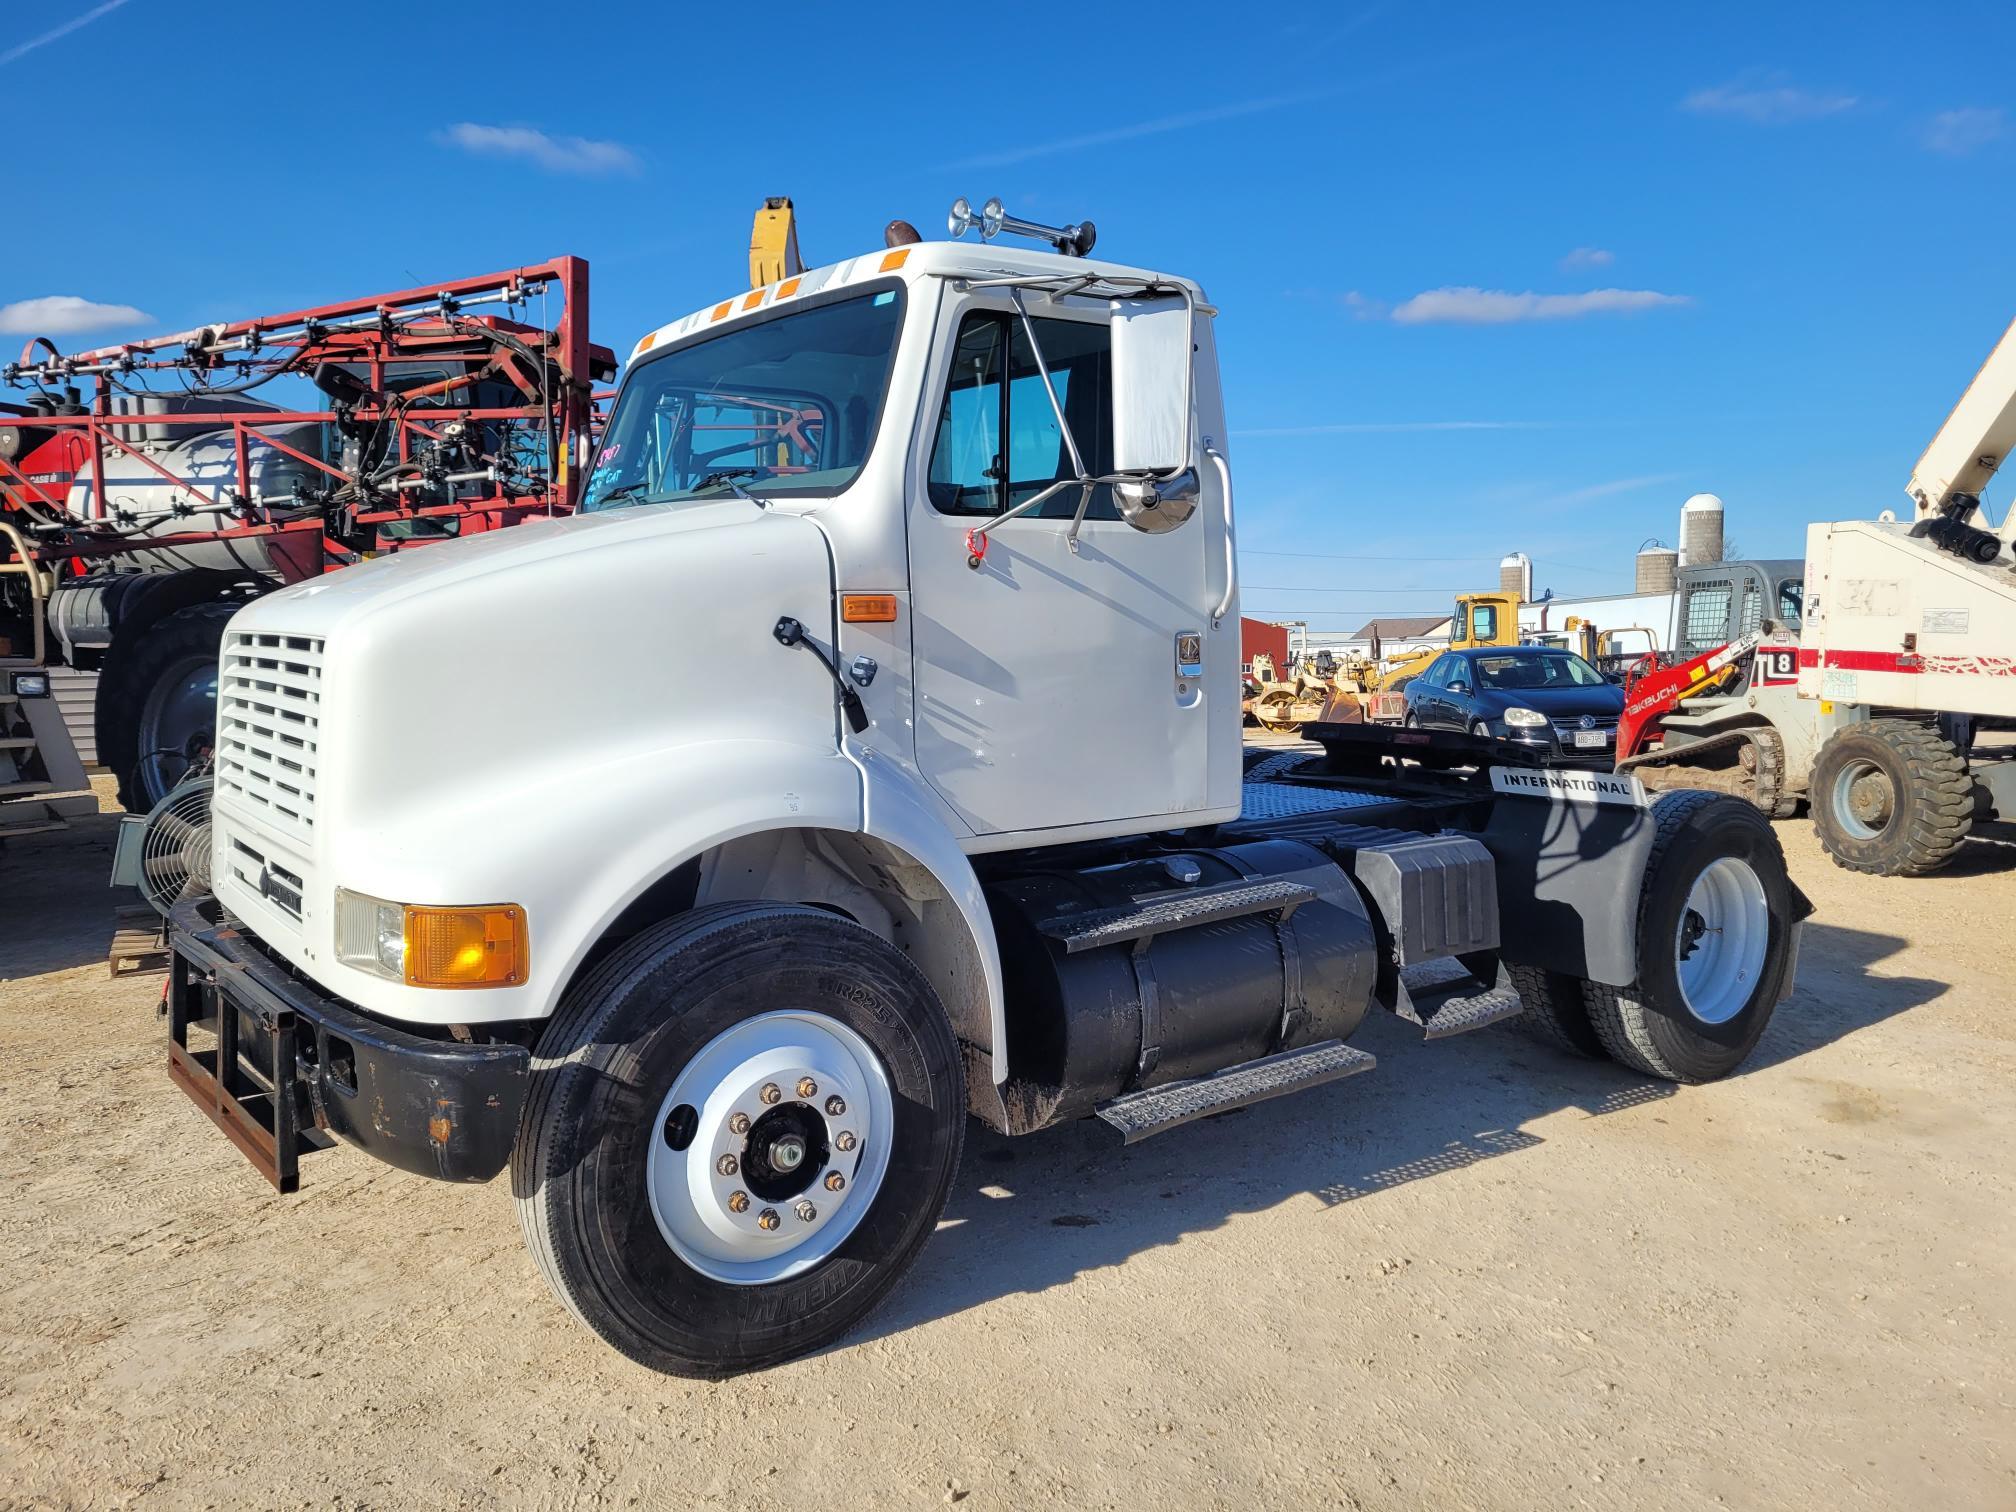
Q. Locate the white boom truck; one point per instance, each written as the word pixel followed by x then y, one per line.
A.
pixel 507 873
pixel 1865 703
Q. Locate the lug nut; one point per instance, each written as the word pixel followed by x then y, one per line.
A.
pixel 835 1181
pixel 807 1088
pixel 770 1093
pixel 767 1219
pixel 806 1212
pixel 726 1165
pixel 844 1140
pixel 738 1202
pixel 835 1106
pixel 739 1124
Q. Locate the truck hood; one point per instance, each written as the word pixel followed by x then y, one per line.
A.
pixel 322 604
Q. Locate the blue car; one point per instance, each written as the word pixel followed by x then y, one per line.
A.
pixel 1535 696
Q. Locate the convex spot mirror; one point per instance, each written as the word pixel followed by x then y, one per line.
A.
pixel 1152 408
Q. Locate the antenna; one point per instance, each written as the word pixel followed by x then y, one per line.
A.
pixel 1073 241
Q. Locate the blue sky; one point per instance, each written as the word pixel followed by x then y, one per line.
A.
pixel 1491 277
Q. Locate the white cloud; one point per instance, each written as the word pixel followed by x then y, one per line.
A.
pixel 66 315
pixel 1767 100
pixel 1959 132
pixel 555 154
pixel 1467 306
pixel 1615 486
pixel 1156 127
pixel 22 49
pixel 1587 257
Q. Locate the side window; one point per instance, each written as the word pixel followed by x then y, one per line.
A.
pixel 1791 601
pixel 1484 622
pixel 1459 623
pixel 998 441
pixel 1437 670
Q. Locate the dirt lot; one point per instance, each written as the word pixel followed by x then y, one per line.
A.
pixel 1483 1276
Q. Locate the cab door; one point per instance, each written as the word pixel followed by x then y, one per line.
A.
pixel 1054 686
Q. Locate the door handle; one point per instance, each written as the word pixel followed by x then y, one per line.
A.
pixel 1224 606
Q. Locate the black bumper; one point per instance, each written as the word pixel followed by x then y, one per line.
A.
pixel 291 1066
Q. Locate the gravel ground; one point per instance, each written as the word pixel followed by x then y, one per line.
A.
pixel 1483 1276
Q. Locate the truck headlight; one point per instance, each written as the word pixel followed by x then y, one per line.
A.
pixel 1525 719
pixel 426 946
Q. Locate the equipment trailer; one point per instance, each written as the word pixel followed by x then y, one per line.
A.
pixel 719 978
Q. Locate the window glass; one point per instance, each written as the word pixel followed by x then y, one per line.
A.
pixel 996 390
pixel 1791 601
pixel 785 406
pixel 1556 670
pixel 1437 670
pixel 1484 622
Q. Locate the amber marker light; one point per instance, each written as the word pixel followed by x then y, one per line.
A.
pixel 466 947
pixel 868 608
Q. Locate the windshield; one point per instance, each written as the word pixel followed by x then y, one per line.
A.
pixel 1557 670
pixel 788 406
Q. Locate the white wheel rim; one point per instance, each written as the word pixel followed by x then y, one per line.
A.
pixel 1721 940
pixel 714 1218
pixel 1878 800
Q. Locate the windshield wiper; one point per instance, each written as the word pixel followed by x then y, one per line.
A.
pixel 730 478
pixel 620 491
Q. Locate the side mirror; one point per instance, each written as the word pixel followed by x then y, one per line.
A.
pixel 1153 442
pixel 1459 686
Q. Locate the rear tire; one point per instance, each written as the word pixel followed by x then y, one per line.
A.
pixel 636 1088
pixel 1716 915
pixel 1556 1010
pixel 1891 798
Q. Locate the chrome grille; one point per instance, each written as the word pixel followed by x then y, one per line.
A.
pixel 266 877
pixel 269 720
pixel 1565 730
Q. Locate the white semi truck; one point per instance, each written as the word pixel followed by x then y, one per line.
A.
pixel 707 858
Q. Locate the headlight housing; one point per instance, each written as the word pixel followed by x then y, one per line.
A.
pixel 424 946
pixel 1525 719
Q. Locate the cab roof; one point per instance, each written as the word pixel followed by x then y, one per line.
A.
pixel 912 264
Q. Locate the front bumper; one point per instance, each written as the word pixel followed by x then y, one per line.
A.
pixel 1553 751
pixel 289 1066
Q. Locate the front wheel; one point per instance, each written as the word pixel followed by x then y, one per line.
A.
pixel 1891 798
pixel 742 1128
pixel 1717 917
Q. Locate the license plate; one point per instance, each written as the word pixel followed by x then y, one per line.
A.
pixel 1592 737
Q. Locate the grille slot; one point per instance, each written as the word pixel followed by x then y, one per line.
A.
pixel 269 719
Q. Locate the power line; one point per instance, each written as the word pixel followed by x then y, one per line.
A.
pixel 1359 556
pixel 1321 588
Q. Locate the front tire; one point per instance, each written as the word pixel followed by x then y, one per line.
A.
pixel 1891 798
pixel 1716 915
pixel 742 1128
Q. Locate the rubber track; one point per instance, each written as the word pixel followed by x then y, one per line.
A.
pixel 1939 808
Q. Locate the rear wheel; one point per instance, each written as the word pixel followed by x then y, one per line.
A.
pixel 742 1128
pixel 1556 1011
pixel 1891 798
pixel 1716 915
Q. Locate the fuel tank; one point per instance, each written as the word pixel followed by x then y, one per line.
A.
pixel 1088 1021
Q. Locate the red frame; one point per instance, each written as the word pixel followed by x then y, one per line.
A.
pixel 383 333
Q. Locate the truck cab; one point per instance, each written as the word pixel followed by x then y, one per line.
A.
pixel 864 754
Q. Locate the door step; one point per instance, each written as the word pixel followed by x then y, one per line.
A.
pixel 1168 912
pixel 1459 1004
pixel 1140 1114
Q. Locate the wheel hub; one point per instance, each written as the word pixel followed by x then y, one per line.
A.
pixel 1722 939
pixel 784 1107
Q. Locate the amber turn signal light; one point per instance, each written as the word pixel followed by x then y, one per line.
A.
pixel 868 608
pixel 466 947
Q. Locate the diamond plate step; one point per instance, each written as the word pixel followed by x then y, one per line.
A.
pixel 1172 911
pixel 1461 1006
pixel 1140 1114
